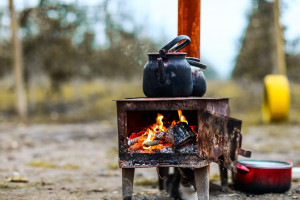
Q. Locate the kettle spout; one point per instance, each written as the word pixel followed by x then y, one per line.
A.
pixel 161 71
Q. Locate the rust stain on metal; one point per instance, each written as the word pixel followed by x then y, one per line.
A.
pixel 219 139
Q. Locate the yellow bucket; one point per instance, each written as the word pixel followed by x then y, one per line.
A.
pixel 276 98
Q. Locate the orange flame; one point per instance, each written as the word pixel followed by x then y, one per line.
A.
pixel 182 117
pixel 149 138
pixel 158 126
pixel 149 134
pixel 159 123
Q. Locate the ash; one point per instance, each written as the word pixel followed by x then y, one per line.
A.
pixel 166 150
pixel 190 148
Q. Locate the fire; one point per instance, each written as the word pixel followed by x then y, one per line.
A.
pixel 182 117
pixel 159 123
pixel 149 138
pixel 155 128
pixel 152 132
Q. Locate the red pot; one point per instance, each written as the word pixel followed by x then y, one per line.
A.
pixel 263 176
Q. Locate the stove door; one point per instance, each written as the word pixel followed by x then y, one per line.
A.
pixel 219 139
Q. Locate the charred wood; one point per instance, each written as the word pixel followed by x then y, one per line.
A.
pixel 180 134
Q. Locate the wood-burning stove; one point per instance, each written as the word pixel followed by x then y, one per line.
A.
pixel 219 138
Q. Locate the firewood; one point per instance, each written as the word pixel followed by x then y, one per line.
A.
pixel 159 135
pixel 152 143
pixel 180 134
pixel 132 141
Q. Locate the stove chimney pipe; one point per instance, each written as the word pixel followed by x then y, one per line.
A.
pixel 189 24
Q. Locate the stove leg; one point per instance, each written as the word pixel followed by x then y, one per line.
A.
pixel 163 173
pixel 223 175
pixel 127 183
pixel 202 182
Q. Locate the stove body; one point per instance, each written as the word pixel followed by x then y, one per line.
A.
pixel 219 145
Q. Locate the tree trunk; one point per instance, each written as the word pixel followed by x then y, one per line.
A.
pixel 21 102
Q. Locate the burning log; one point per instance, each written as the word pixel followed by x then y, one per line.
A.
pixel 152 143
pixel 134 140
pixel 180 134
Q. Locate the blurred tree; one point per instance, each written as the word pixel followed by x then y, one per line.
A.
pixel 50 46
pixel 127 52
pixel 5 50
pixel 5 57
pixel 20 95
pixel 293 65
pixel 257 54
pixel 255 57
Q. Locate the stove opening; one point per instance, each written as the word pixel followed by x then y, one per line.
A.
pixel 162 131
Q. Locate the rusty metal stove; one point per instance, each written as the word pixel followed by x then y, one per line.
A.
pixel 219 139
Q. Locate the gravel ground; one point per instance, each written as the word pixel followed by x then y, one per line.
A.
pixel 80 161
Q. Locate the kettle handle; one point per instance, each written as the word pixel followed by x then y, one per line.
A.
pixel 161 71
pixel 196 64
pixel 168 47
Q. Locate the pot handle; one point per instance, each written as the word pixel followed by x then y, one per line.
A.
pixel 242 168
pixel 168 47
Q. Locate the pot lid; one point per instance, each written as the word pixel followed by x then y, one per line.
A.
pixel 266 164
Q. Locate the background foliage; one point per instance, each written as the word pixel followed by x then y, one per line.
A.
pixel 77 59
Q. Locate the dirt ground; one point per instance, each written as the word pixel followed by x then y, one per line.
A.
pixel 80 161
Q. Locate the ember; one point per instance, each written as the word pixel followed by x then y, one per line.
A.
pixel 158 137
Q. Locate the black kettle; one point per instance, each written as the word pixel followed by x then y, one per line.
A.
pixel 199 82
pixel 168 73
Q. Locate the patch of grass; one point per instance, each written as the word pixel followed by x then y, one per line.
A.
pixel 15 185
pixel 266 148
pixel 42 164
pixel 67 179
pixel 6 98
pixel 47 165
pixel 40 184
pixel 215 177
pixel 146 182
pixel 17 179
pixel 76 101
pixel 80 101
pixel 296 147
pixel 11 186
pixel 70 166
pixel 113 166
pixel 112 152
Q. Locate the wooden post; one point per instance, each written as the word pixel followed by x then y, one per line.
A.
pixel 280 55
pixel 21 102
pixel 189 24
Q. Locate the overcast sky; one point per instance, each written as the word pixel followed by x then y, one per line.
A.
pixel 223 23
